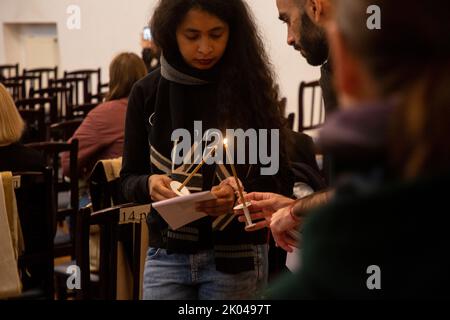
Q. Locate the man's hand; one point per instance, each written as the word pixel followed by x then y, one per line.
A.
pixel 264 205
pixel 282 225
pixel 159 188
pixel 222 205
pixel 287 221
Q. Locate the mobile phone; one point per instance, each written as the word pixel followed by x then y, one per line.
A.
pixel 147 34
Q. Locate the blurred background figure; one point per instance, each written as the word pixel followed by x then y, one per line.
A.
pixel 101 135
pixel 150 51
pixel 13 155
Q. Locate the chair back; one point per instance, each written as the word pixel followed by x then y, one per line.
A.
pixel 64 130
pixel 290 121
pixel 81 111
pixel 105 193
pixel 36 128
pixel 8 71
pixel 311 113
pixel 44 75
pixel 94 78
pixel 52 152
pixel 79 94
pixel 35 204
pixel 49 105
pixel 14 89
pixel 104 90
pixel 113 230
pixel 63 97
pixel 26 84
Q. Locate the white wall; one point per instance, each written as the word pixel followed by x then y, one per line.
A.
pixel 112 26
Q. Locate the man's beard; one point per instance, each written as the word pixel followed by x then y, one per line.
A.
pixel 313 42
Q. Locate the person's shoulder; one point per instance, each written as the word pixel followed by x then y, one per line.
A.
pixel 112 105
pixel 144 91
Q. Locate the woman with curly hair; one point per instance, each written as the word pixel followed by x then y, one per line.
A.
pixel 213 69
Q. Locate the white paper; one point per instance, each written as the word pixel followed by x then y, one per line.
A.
pixel 293 260
pixel 180 211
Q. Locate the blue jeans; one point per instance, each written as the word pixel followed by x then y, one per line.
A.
pixel 194 277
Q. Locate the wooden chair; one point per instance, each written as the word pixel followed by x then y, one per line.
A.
pixel 14 89
pixel 315 107
pixel 105 193
pixel 52 151
pixel 8 71
pixel 104 90
pixel 290 121
pixel 81 111
pixel 112 230
pixel 63 97
pixel 35 203
pixel 26 82
pixel 79 94
pixel 94 81
pixel 49 105
pixel 44 75
pixel 36 128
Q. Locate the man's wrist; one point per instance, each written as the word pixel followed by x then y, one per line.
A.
pixel 293 215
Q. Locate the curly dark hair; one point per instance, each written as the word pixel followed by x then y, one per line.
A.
pixel 246 90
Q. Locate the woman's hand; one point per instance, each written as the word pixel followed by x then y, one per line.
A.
pixel 222 205
pixel 159 188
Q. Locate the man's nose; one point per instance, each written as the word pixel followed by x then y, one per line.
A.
pixel 290 39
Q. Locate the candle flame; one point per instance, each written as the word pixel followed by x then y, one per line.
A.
pixel 225 141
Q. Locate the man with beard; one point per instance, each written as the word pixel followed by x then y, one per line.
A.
pixel 305 32
pixel 305 20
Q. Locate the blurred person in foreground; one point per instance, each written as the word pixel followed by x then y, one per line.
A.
pixel 384 235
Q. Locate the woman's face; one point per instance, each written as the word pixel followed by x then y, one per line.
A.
pixel 202 39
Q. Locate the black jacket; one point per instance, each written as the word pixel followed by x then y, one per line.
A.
pixel 376 221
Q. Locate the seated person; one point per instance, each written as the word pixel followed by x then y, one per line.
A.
pixel 17 158
pixel 13 155
pixel 101 134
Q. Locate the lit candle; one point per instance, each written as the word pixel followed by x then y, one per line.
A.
pixel 196 170
pixel 241 193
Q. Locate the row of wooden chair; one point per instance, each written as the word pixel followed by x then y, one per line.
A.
pixel 35 198
pixel 38 88
pixel 42 120
pixel 74 91
pixel 41 78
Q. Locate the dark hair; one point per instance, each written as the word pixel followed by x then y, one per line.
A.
pixel 124 71
pixel 246 89
pixel 409 59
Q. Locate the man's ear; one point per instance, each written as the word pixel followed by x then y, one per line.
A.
pixel 348 75
pixel 314 8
